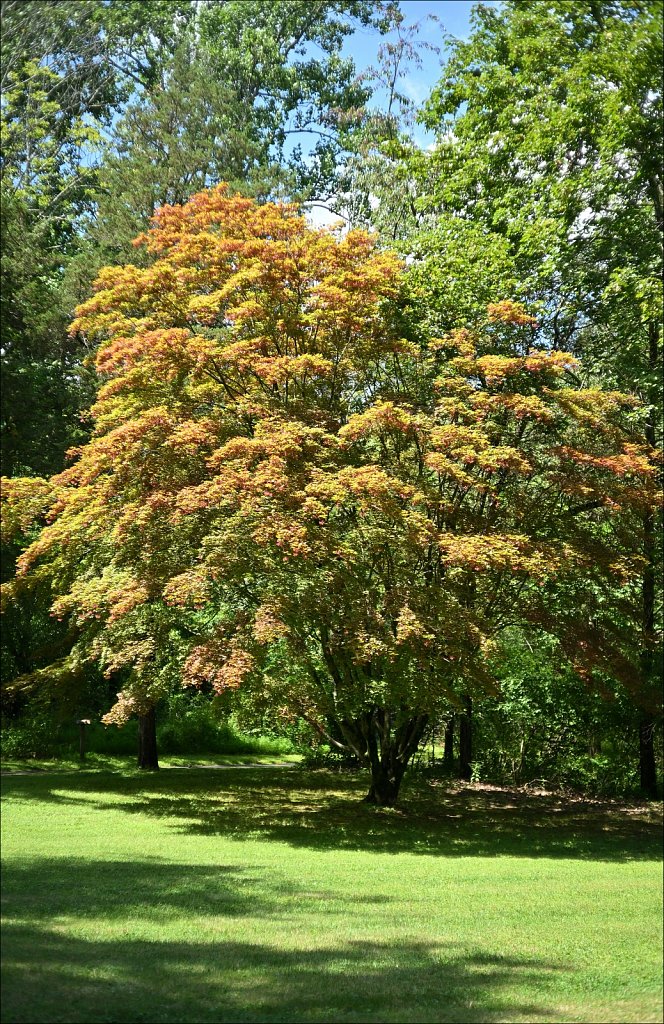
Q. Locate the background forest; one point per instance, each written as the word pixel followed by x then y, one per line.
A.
pixel 541 189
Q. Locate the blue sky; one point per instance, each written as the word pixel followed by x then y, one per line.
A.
pixel 453 17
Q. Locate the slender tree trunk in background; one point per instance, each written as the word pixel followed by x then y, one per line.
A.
pixel 466 716
pixel 448 744
pixel 466 739
pixel 7 460
pixel 647 765
pixel 147 741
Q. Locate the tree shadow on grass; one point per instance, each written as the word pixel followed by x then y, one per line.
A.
pixel 323 810
pixel 41 890
pixel 52 973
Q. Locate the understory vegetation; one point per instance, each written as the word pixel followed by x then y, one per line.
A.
pixel 527 738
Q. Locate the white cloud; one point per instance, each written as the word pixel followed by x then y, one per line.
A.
pixel 318 216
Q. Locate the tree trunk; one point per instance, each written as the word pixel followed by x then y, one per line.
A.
pixel 448 744
pixel 594 743
pixel 647 765
pixel 384 788
pixel 389 753
pixel 466 739
pixel 147 741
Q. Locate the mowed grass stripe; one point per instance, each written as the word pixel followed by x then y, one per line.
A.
pixel 276 896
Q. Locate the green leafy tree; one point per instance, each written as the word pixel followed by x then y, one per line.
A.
pixel 99 51
pixel 257 95
pixel 545 184
pixel 66 68
pixel 46 186
pixel 545 728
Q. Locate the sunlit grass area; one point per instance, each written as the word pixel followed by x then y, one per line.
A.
pixel 271 894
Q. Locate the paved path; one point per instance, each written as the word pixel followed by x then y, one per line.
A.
pixel 163 768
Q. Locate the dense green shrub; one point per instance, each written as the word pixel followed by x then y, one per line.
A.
pixel 186 724
pixel 548 727
pixel 32 735
pixel 193 723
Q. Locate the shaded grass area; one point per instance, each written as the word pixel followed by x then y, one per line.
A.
pixel 323 810
pixel 261 894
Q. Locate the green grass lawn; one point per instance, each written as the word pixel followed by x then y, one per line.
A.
pixel 271 894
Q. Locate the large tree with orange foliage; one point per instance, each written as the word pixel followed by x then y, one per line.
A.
pixel 289 489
